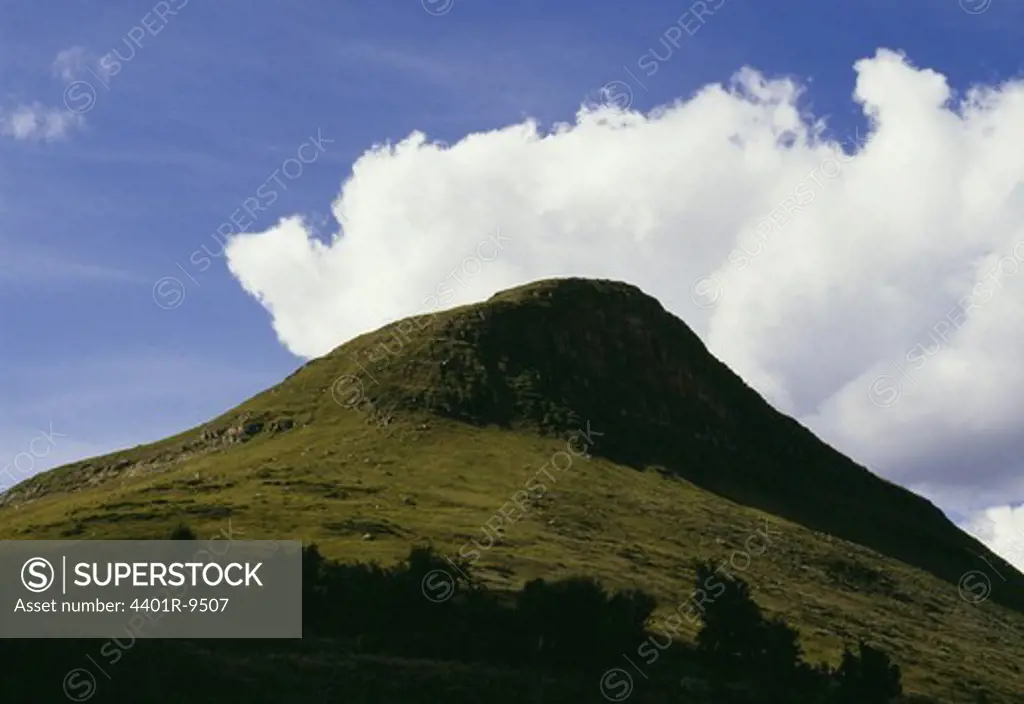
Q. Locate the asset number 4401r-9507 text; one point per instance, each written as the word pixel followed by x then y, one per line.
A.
pixel 179 605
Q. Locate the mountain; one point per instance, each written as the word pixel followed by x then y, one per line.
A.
pixel 438 428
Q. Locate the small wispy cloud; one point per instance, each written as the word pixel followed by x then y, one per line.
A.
pixel 27 265
pixel 36 121
pixel 71 62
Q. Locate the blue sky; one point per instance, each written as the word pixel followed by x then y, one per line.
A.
pixel 209 101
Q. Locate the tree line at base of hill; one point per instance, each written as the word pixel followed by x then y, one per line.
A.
pixel 431 607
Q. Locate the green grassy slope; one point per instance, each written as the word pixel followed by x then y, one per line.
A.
pixel 369 450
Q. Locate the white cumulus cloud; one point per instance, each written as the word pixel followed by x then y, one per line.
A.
pixel 872 292
pixel 1002 528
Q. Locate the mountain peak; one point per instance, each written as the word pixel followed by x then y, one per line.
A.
pixel 573 287
pixel 548 355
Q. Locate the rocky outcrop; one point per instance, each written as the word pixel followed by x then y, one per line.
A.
pixel 101 470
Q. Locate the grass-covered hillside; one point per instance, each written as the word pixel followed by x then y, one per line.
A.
pixel 570 427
